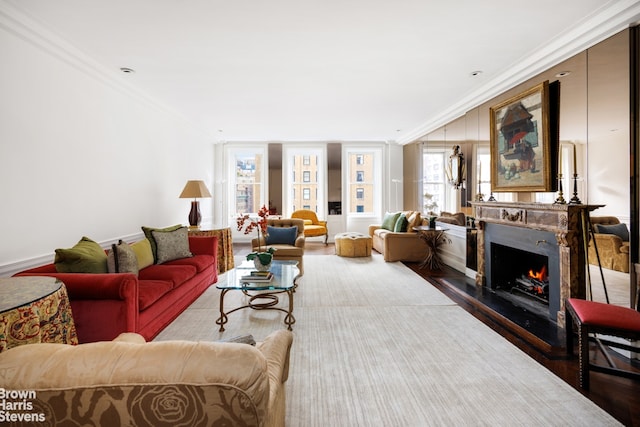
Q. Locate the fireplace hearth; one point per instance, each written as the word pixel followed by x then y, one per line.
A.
pixel 515 239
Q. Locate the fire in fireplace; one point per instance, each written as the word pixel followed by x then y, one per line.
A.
pixel 535 285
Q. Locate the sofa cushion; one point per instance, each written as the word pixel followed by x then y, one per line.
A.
pixel 284 251
pixel 414 219
pixel 171 244
pixel 176 274
pixel 86 256
pixel 144 254
pixel 200 262
pixel 122 259
pixel 457 218
pixel 150 291
pixel 619 230
pixel 148 234
pixel 401 223
pixel 281 235
pixel 389 220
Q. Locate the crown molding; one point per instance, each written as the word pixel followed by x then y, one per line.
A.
pixel 612 18
pixel 21 25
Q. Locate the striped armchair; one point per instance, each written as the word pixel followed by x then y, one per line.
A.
pixel 313 227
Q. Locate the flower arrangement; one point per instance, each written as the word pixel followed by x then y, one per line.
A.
pixel 260 225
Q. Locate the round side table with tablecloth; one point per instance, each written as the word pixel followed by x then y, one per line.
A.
pixel 35 309
pixel 352 244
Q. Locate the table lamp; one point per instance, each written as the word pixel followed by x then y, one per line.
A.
pixel 194 190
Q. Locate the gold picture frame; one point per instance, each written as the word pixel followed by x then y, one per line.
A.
pixel 520 142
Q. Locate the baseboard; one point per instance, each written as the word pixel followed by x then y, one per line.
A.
pixel 11 268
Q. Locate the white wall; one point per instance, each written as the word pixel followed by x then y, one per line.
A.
pixel 82 154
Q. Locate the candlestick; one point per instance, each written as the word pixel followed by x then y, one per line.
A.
pixel 575 162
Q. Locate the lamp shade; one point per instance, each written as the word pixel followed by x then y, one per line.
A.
pixel 195 189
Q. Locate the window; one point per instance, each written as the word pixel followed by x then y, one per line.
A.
pixel 363 180
pixel 303 174
pixel 245 173
pixel 433 196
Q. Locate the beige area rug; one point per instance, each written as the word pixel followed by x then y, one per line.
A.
pixel 376 345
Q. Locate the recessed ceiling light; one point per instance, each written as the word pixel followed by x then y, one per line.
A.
pixel 563 73
pixel 475 73
pixel 127 70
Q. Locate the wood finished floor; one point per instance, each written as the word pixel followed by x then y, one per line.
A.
pixel 620 397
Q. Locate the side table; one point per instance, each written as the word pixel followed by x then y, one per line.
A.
pixel 225 246
pixel 433 237
pixel 35 309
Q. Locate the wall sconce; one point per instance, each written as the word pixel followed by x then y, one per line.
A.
pixel 456 168
pixel 194 190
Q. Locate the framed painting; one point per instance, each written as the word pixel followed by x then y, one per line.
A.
pixel 521 155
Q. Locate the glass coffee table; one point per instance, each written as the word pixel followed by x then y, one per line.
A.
pixel 262 295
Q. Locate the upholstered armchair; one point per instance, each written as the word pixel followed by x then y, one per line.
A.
pixel 612 240
pixel 129 382
pixel 288 246
pixel 313 227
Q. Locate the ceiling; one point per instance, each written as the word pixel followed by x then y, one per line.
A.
pixel 325 70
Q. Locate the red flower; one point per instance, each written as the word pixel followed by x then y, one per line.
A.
pixel 259 224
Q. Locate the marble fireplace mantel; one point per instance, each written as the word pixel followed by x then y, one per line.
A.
pixel 566 221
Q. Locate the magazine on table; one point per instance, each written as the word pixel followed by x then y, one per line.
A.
pixel 258 277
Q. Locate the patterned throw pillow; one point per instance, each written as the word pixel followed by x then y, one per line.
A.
pixel 122 259
pixel 148 233
pixel 85 257
pixel 172 244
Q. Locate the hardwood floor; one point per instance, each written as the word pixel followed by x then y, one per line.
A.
pixel 541 340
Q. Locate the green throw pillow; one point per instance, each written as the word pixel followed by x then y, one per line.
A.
pixel 389 221
pixel 147 233
pixel 122 259
pixel 144 255
pixel 85 257
pixel 401 223
pixel 172 244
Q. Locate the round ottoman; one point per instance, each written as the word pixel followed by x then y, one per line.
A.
pixel 352 244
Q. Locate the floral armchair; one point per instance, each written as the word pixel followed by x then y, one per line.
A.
pixel 313 227
pixel 132 382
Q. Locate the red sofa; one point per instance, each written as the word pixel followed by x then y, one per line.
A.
pixel 105 305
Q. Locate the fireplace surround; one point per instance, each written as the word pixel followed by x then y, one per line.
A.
pixel 554 231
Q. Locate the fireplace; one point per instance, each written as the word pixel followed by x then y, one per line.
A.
pixel 514 238
pixel 512 256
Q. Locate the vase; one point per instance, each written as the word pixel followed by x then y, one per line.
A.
pixel 259 261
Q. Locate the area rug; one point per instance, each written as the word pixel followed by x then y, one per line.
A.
pixel 376 345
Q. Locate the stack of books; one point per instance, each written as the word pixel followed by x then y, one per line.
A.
pixel 258 277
